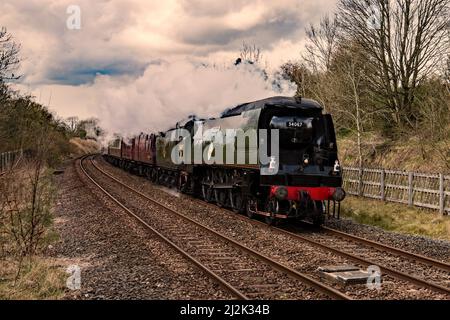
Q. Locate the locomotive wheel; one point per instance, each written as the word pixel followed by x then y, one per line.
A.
pixel 173 182
pixel 207 190
pixel 270 220
pixel 207 193
pixel 221 197
pixel 251 207
pixel 237 201
pixel 154 175
pixel 318 217
pixel 183 183
pixel 160 179
pixel 148 174
pixel 272 208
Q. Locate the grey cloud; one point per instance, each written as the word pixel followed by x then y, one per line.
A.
pixel 284 25
pixel 208 8
pixel 118 37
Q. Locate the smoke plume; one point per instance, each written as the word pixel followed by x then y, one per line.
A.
pixel 171 91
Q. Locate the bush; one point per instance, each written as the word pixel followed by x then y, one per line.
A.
pixel 25 209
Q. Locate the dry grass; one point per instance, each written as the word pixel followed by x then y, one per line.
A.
pixel 81 147
pixel 26 206
pixel 397 217
pixel 411 154
pixel 40 279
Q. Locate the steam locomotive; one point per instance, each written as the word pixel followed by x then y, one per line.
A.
pixel 299 182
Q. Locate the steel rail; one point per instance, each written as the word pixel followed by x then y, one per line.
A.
pixel 410 255
pixel 388 270
pixel 204 268
pixel 330 291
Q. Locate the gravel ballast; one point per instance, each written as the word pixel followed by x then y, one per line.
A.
pixel 301 256
pixel 117 257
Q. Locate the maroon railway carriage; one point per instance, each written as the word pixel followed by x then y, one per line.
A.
pixel 144 149
pixel 137 155
pixel 115 151
pixel 127 149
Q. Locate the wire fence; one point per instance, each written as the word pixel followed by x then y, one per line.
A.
pixel 424 190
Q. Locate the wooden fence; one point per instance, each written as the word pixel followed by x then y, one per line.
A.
pixel 9 159
pixel 412 188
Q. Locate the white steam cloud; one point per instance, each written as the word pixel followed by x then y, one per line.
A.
pixel 171 91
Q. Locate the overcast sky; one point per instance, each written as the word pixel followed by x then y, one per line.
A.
pixel 125 39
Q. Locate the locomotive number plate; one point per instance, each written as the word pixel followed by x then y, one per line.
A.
pixel 294 124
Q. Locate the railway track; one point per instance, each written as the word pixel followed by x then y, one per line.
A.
pixel 409 255
pixel 360 260
pixel 333 245
pixel 364 261
pixel 435 287
pixel 242 271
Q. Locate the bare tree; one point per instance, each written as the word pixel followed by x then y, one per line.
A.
pixel 25 204
pixel 447 74
pixel 349 76
pixel 315 85
pixel 434 111
pixel 250 53
pixel 297 73
pixel 9 56
pixel 91 128
pixel 404 40
pixel 353 105
pixel 322 43
pixel 312 74
pixel 73 123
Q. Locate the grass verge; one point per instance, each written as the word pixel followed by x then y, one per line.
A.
pixel 40 279
pixel 397 217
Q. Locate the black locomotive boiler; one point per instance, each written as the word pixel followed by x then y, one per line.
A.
pixel 307 176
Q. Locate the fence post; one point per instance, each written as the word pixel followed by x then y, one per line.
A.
pixel 383 197
pixel 360 182
pixel 441 194
pixel 410 188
